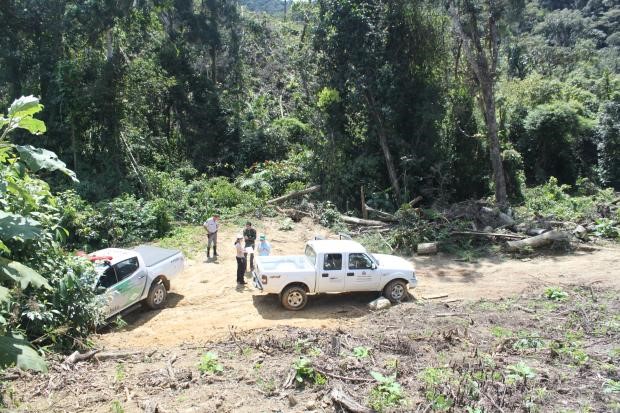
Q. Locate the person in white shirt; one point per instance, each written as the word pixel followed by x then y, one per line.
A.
pixel 264 248
pixel 212 225
pixel 240 260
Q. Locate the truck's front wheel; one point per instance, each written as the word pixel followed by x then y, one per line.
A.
pixel 396 291
pixel 157 296
pixel 294 298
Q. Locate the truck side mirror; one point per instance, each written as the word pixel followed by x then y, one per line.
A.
pixel 373 266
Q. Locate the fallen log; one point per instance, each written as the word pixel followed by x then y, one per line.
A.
pixel 113 355
pixel 487 234
pixel 340 397
pixel 434 297
pixel 415 200
pixel 538 241
pixel 381 216
pixel 452 315
pixel 294 194
pixel 360 221
pixel 76 356
pixel 427 248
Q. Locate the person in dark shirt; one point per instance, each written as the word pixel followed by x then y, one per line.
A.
pixel 249 235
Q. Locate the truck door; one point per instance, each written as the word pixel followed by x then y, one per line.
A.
pixel 330 274
pixel 131 282
pixel 360 273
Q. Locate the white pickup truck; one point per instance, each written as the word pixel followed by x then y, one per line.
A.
pixel 332 266
pixel 130 276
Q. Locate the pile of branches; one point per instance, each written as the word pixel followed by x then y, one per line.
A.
pixel 483 220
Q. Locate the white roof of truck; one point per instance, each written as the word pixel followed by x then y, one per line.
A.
pixel 117 254
pixel 335 246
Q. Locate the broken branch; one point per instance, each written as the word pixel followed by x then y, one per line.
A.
pixel 294 194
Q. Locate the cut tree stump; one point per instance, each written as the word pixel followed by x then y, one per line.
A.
pixel 538 241
pixel 427 248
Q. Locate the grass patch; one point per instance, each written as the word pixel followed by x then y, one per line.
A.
pixel 190 239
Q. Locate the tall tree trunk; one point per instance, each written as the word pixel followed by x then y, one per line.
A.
pixel 388 160
pixel 494 146
pixel 483 65
pixel 387 154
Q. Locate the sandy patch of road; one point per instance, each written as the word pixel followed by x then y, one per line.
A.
pixel 205 301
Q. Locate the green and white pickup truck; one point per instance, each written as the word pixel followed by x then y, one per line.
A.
pixel 130 276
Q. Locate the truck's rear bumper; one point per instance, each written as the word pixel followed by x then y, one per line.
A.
pixel 256 281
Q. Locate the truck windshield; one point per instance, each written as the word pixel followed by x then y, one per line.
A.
pixel 311 255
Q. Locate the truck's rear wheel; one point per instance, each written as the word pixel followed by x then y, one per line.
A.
pixel 396 291
pixel 294 298
pixel 157 296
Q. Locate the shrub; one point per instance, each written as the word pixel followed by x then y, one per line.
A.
pixel 304 372
pixel 387 393
pixel 270 179
pixel 554 201
pixel 209 364
pixel 556 294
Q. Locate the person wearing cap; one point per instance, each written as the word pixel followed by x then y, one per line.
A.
pixel 249 234
pixel 264 248
pixel 212 225
pixel 240 260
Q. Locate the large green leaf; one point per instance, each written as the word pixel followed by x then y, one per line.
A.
pixel 25 106
pixel 38 158
pixel 22 274
pixel 32 125
pixel 5 295
pixel 18 226
pixel 18 352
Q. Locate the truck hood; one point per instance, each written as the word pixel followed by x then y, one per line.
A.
pixel 394 263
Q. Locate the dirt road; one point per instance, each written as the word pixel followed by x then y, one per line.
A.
pixel 205 301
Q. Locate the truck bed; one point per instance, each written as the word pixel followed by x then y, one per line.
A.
pixel 288 263
pixel 154 255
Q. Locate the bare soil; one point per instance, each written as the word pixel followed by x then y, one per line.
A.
pixel 495 343
pixel 205 299
pixel 523 354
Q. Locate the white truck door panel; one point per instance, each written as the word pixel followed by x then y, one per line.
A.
pixel 330 273
pixel 360 273
pixel 129 288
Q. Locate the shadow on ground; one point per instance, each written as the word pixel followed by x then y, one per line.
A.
pixel 138 314
pixel 344 305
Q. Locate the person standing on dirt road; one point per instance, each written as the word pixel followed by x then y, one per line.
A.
pixel 264 249
pixel 249 234
pixel 212 225
pixel 240 260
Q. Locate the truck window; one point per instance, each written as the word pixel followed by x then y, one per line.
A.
pixel 125 268
pixel 311 255
pixel 108 278
pixel 332 262
pixel 359 261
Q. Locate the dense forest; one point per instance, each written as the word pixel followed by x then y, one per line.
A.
pixel 381 92
pixel 172 110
